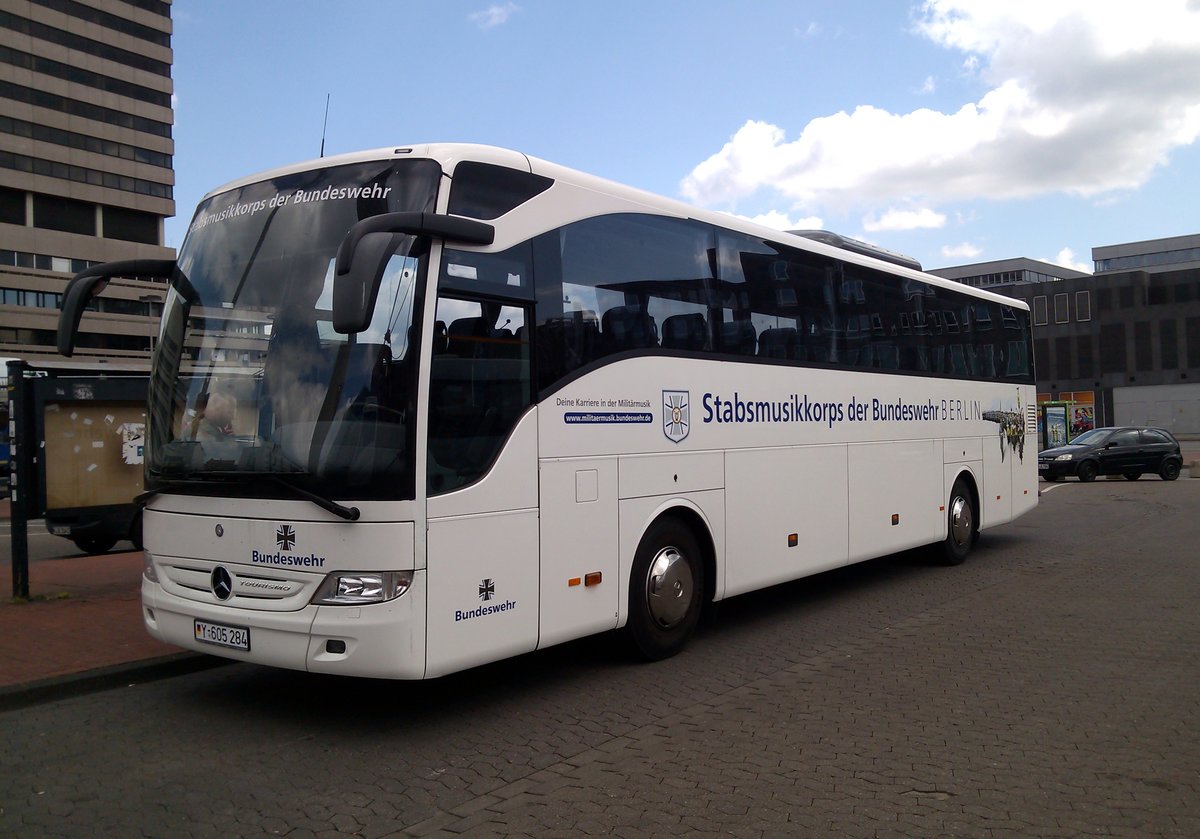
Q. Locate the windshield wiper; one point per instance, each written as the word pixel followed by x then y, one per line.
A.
pixel 328 504
pixel 348 513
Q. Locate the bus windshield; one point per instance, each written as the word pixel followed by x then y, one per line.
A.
pixel 250 381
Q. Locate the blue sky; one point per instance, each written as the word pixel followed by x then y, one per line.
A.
pixel 956 131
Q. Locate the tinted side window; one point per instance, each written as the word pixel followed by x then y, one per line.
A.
pixel 479 385
pixel 775 302
pixel 485 191
pixel 1150 435
pixel 617 283
pixel 505 273
pixel 1128 437
pixel 480 375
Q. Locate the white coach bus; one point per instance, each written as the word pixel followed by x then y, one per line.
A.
pixel 417 409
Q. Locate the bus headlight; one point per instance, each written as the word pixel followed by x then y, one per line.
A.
pixel 355 588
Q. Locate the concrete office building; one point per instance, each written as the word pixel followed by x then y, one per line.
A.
pixel 85 167
pixel 1126 338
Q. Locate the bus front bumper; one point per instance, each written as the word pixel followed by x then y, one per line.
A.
pixel 381 640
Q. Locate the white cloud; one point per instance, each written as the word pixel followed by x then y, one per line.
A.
pixel 893 219
pixel 929 86
pixel 1084 98
pixel 493 15
pixel 1066 258
pixel 781 221
pixel 965 250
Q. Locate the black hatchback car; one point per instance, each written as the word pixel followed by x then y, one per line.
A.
pixel 1130 451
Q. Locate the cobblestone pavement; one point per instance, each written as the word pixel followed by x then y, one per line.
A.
pixel 1045 688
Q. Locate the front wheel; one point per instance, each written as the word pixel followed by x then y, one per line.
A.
pixel 961 524
pixel 666 589
pixel 1087 471
pixel 1169 471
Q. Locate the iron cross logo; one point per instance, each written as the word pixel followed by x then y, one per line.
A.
pixel 285 537
pixel 487 589
pixel 676 415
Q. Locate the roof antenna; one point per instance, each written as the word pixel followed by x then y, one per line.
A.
pixel 324 125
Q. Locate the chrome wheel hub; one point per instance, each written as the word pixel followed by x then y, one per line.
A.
pixel 960 521
pixel 669 587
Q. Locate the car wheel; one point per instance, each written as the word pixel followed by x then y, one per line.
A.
pixel 1169 471
pixel 1131 476
pixel 1087 471
pixel 666 590
pixel 94 544
pixel 961 526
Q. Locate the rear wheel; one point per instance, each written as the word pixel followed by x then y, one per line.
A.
pixel 961 525
pixel 666 589
pixel 1169 471
pixel 1131 476
pixel 1087 471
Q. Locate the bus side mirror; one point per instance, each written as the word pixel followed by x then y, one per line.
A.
pixel 87 285
pixel 363 254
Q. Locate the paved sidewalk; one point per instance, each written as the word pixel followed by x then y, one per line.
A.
pixel 82 628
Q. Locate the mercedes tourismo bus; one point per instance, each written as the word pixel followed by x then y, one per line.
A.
pixel 417 409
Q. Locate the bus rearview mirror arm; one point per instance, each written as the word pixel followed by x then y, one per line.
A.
pixel 356 280
pixel 88 283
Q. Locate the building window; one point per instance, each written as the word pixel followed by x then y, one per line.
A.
pixel 1191 332
pixel 83 175
pixel 1062 358
pixel 1083 305
pixel 1169 344
pixel 1143 357
pixel 1112 347
pixel 1039 310
pixel 130 226
pixel 1084 357
pixel 1061 308
pixel 50 213
pixel 12 206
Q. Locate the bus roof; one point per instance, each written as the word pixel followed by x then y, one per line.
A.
pixel 448 155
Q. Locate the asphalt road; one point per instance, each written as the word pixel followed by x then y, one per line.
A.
pixel 1047 687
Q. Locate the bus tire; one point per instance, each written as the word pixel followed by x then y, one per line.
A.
pixel 666 590
pixel 962 525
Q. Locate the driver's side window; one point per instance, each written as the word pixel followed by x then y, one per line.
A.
pixel 1124 438
pixel 479 387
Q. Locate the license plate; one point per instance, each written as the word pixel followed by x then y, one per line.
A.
pixel 234 637
pixel 1042 467
pixel 61 530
